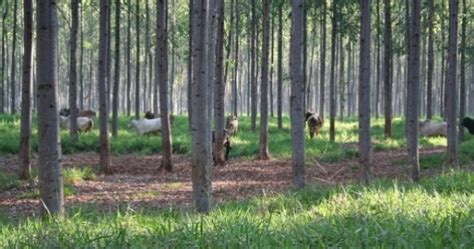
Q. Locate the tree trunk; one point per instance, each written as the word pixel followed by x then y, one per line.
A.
pixel 25 131
pixel 13 62
pixel 342 82
pixel 173 55
pixel 234 81
pixel 4 56
pixel 388 68
pixel 219 106
pixel 297 93
pixel 377 80
pixel 190 64
pixel 451 95
pixel 364 93
pixel 264 154
pixel 200 130
pixel 253 72
pixel 73 70
pixel 81 59
pixel 109 57
pixel 332 83
pixel 105 160
pixel 162 80
pixel 323 62
pixel 146 80
pixel 272 41
pixel 280 67
pixel 462 105
pixel 414 89
pixel 115 97
pixel 129 58
pixel 429 80
pixel 49 145
pixel 137 61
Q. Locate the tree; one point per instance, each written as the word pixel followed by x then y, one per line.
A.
pixel 323 62
pixel 25 131
pixel 115 96
pixel 200 130
pixel 13 62
pixel 332 83
pixel 137 72
pixel 413 94
pixel 49 148
pixel 129 58
pixel 162 80
pixel 73 70
pixel 451 84
pixel 219 87
pixel 280 66
pixel 429 78
pixel 297 93
pixel 364 92
pixel 236 67
pixel 462 106
pixel 3 64
pixel 253 72
pixel 264 154
pixel 105 160
pixel 388 70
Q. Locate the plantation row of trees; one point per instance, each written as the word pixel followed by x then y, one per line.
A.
pixel 208 46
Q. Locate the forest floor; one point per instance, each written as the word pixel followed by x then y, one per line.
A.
pixel 137 183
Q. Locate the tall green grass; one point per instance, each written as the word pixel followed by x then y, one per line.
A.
pixel 438 213
pixel 245 144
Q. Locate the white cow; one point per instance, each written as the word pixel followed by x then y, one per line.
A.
pixel 429 128
pixel 84 124
pixel 145 126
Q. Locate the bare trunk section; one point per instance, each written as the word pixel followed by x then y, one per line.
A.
pixel 49 145
pixel 115 97
pixel 451 85
pixel 137 60
pixel 388 69
pixel 25 131
pixel 365 156
pixel 13 61
pixel 234 81
pixel 253 72
pixel 73 71
pixel 81 59
pixel 264 154
pixel 463 92
pixel 4 56
pixel 429 80
pixel 219 88
pixel 280 67
pixel 323 63
pixel 297 93
pixel 332 83
pixel 129 58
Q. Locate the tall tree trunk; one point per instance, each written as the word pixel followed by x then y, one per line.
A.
pixel 173 55
pixel 13 62
pixel 162 80
pixel 451 95
pixel 388 68
pixel 414 89
pixel 105 158
pixel 25 131
pixel 377 80
pixel 234 81
pixel 272 41
pixel 342 82
pixel 190 64
pixel 253 72
pixel 323 62
pixel 219 106
pixel 137 67
pixel 462 105
pixel 129 58
pixel 280 67
pixel 429 80
pixel 115 97
pixel 49 145
pixel 297 93
pixel 146 80
pixel 332 83
pixel 200 130
pixel 73 70
pixel 4 56
pixel 109 57
pixel 365 156
pixel 264 154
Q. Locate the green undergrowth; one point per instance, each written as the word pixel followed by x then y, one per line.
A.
pixel 437 213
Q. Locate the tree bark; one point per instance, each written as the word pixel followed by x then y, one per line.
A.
pixel 219 106
pixel 137 68
pixel 377 80
pixel 13 61
pixel 297 93
pixel 190 65
pixel 451 84
pixel 414 89
pixel 49 145
pixel 25 131
pixel 200 130
pixel 388 69
pixel 105 160
pixel 73 70
pixel 3 69
pixel 264 154
pixel 129 58
pixel 323 62
pixel 365 156
pixel 81 58
pixel 162 80
pixel 115 97
pixel 429 79
pixel 280 67
pixel 463 92
pixel 173 55
pixel 234 81
pixel 332 83
pixel 253 72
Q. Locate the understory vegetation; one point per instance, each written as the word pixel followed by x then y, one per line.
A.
pixel 437 213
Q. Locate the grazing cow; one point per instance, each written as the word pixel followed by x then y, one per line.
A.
pixel 84 113
pixel 469 124
pixel 84 124
pixel 151 115
pixel 145 126
pixel 226 144
pixel 315 122
pixel 232 125
pixel 429 128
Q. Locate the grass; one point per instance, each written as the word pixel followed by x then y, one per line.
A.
pixel 437 213
pixel 245 144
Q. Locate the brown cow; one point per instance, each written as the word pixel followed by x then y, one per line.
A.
pixel 315 122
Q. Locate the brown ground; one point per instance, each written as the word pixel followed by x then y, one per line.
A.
pixel 136 181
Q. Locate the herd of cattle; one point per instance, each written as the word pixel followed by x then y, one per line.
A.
pixel 151 124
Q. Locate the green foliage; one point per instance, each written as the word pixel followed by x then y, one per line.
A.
pixel 8 181
pixel 438 213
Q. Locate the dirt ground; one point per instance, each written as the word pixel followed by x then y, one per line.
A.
pixel 136 181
